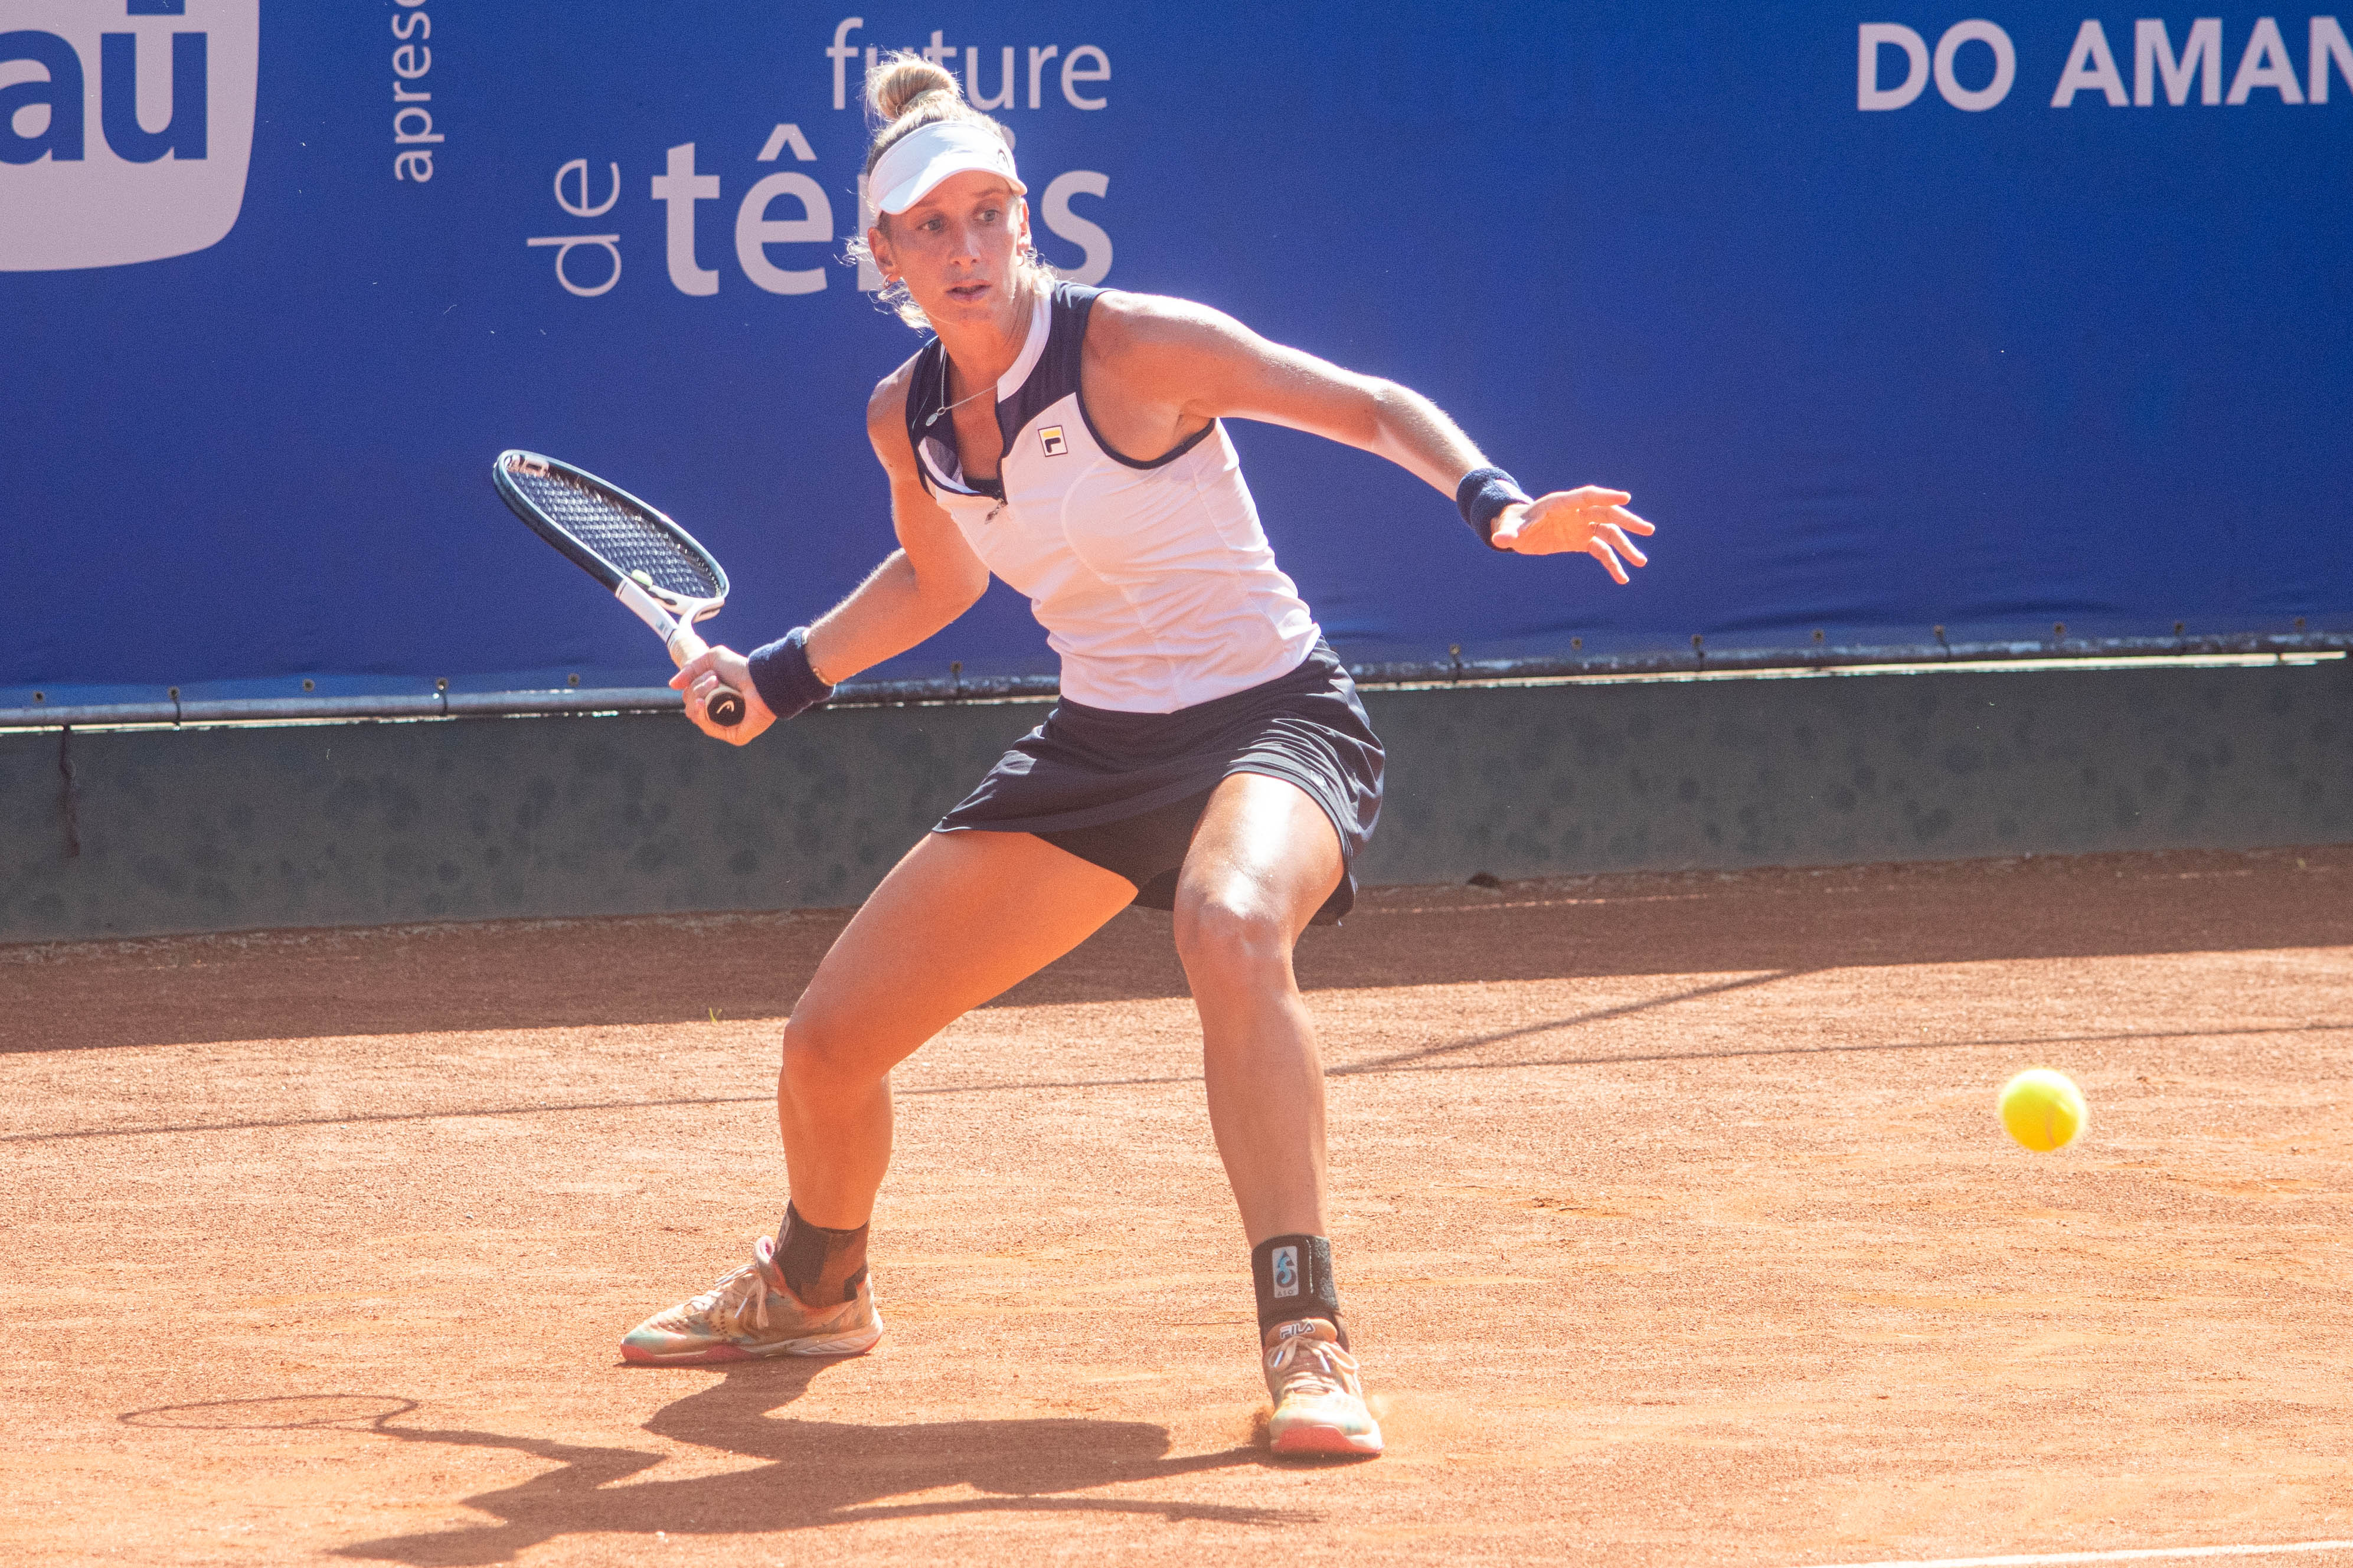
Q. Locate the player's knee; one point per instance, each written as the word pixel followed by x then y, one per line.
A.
pixel 819 1050
pixel 1226 931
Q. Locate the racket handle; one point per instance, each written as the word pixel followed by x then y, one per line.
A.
pixel 724 706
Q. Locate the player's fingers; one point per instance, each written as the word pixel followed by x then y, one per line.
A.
pixel 696 686
pixel 1600 496
pixel 1599 549
pixel 1625 546
pixel 1629 521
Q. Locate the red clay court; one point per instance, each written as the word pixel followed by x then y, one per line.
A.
pixel 1676 1221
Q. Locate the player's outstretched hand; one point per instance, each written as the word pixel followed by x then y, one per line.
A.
pixel 1589 518
pixel 703 674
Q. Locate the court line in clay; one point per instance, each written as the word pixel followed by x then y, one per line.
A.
pixel 1371 908
pixel 1416 1062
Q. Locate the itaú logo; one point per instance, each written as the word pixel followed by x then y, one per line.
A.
pixel 125 128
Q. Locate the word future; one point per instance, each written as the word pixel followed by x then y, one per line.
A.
pixel 1084 65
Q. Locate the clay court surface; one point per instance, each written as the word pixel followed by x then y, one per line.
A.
pixel 1672 1217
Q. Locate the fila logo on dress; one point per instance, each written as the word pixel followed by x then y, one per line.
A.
pixel 1286 1271
pixel 1050 437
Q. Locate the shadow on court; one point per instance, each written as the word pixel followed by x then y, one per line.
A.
pixel 653 970
pixel 812 1474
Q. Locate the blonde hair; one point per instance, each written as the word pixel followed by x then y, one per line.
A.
pixel 904 92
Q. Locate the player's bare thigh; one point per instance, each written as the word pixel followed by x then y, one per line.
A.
pixel 1263 860
pixel 962 917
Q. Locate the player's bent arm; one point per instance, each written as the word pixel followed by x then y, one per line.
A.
pixel 1202 365
pixel 931 579
pixel 1205 366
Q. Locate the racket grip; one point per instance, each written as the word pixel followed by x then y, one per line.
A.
pixel 724 706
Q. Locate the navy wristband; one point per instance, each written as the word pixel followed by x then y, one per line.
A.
pixel 787 682
pixel 1482 497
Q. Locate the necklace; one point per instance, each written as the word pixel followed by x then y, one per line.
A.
pixel 959 403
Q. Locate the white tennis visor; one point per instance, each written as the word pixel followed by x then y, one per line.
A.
pixel 923 157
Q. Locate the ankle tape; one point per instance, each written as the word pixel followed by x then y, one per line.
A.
pixel 822 1266
pixel 1292 1275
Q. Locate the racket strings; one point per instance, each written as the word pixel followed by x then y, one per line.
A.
pixel 628 541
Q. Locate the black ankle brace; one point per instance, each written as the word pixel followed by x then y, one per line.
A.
pixel 823 1266
pixel 1293 1277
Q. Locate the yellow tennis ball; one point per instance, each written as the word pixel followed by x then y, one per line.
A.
pixel 2043 1110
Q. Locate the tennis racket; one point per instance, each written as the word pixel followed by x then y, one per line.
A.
pixel 651 564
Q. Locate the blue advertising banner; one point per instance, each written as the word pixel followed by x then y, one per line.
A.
pixel 1889 318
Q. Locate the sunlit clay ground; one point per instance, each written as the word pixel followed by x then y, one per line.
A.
pixel 1673 1221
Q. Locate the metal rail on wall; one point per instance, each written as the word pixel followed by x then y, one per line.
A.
pixel 1453 671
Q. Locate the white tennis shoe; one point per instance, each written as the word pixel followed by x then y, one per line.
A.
pixel 1319 1396
pixel 753 1313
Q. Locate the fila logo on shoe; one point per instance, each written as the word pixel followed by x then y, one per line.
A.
pixel 1050 437
pixel 1286 1271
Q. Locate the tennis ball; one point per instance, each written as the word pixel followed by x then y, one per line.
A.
pixel 642 575
pixel 2043 1110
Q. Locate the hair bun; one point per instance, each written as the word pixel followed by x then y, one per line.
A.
pixel 899 80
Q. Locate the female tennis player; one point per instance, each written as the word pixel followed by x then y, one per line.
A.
pixel 1208 754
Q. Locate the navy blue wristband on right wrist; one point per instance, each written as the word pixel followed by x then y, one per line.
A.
pixel 787 682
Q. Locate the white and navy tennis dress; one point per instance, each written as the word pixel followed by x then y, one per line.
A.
pixel 1187 654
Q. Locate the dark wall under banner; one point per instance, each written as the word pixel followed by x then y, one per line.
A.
pixel 246 826
pixel 1889 318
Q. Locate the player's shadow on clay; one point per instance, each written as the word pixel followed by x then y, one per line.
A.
pixel 818 1473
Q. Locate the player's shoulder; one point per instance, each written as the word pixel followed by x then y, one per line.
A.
pixel 886 409
pixel 1121 321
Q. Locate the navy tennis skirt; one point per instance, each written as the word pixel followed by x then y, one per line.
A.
pixel 1126 790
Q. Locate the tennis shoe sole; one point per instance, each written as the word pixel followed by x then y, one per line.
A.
pixel 1312 1438
pixel 857 1343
